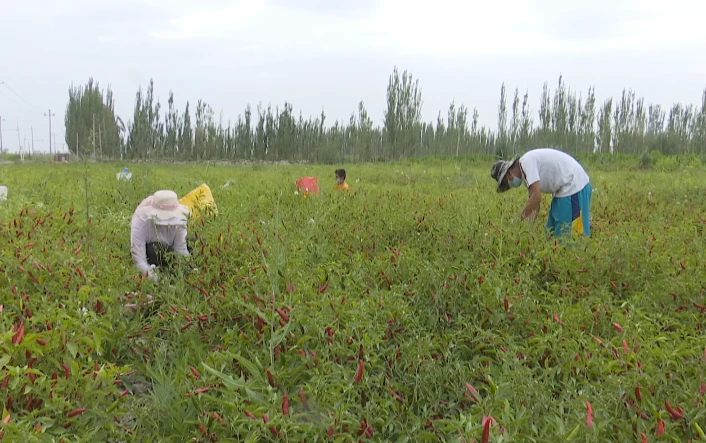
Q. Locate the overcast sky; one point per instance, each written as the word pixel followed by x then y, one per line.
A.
pixel 333 54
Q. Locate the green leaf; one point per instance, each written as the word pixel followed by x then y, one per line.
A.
pixel 234 384
pixel 72 349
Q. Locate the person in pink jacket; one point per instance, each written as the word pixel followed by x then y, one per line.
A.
pixel 159 226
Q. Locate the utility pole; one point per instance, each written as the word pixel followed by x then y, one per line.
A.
pixel 31 130
pixel 50 115
pixel 19 142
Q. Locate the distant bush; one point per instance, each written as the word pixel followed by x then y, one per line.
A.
pixel 667 164
pixel 646 161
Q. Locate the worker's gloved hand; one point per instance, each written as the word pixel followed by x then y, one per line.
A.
pixel 153 274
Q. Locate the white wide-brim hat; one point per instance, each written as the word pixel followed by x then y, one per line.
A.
pixel 166 209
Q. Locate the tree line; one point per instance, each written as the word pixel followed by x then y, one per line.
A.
pixel 566 119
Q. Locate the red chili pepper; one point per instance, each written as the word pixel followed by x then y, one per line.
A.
pixel 5 381
pixel 660 427
pixel 265 417
pixel 617 326
pixel 644 437
pixel 194 371
pixel 598 340
pixel 67 372
pixel 285 404
pixel 323 287
pixel 473 392
pixel 201 390
pixel 486 430
pixel 282 314
pixel 19 334
pixel 76 412
pixel 41 341
pixel 302 398
pixel 271 378
pixel 674 413
pixel 626 348
pixel 557 319
pixel 359 372
pixel 589 414
pixel 638 395
pixel 186 325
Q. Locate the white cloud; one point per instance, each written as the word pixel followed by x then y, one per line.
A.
pixel 453 28
pixel 448 28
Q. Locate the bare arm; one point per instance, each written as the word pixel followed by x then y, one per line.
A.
pixel 531 208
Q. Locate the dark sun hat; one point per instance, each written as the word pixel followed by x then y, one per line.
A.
pixel 498 171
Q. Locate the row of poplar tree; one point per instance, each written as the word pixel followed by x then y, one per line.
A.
pixel 565 119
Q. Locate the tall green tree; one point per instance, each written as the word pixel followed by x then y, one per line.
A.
pixel 91 127
pixel 403 113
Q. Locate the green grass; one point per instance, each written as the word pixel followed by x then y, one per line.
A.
pixel 456 309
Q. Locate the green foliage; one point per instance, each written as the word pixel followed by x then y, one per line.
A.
pixel 667 164
pixel 456 309
pixel 91 127
pixel 646 160
pixel 566 119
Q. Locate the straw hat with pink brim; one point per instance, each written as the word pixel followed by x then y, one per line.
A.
pixel 166 209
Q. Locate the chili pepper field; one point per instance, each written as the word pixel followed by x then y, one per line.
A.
pixel 416 307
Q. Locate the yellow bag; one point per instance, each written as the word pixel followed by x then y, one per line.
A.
pixel 200 200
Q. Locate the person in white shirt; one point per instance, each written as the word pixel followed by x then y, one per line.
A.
pixel 554 172
pixel 159 225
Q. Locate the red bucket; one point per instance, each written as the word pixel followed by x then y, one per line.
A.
pixel 308 185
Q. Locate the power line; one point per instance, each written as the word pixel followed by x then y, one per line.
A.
pixel 11 99
pixel 15 92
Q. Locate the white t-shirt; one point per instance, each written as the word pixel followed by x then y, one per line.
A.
pixel 558 173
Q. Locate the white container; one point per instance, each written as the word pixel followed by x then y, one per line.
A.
pixel 3 193
pixel 125 174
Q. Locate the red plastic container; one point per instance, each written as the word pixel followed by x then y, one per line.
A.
pixel 308 185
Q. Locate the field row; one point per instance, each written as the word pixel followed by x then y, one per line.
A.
pixel 416 307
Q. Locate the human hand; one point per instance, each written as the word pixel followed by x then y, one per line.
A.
pixel 152 273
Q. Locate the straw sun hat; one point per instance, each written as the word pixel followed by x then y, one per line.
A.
pixel 165 208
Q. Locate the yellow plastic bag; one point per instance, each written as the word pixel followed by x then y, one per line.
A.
pixel 200 200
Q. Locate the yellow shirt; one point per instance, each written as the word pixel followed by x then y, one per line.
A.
pixel 341 186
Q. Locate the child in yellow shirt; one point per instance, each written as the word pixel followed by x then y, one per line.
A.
pixel 341 184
